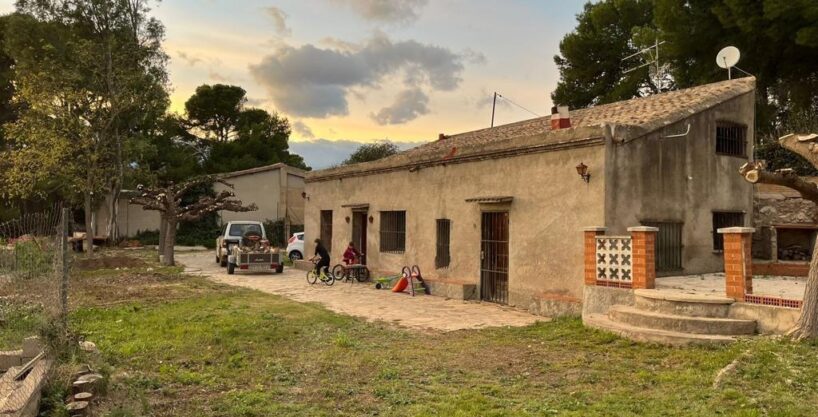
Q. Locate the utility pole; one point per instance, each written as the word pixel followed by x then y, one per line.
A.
pixel 493 107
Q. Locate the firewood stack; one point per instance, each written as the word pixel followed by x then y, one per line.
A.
pixel 794 253
pixel 84 390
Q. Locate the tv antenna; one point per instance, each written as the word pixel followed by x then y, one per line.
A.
pixel 652 54
pixel 727 58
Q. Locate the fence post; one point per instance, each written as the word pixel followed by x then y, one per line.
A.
pixel 738 262
pixel 63 270
pixel 590 253
pixel 643 239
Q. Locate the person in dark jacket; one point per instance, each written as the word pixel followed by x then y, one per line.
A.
pixel 322 255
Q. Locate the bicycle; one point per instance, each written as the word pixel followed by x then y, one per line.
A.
pixel 326 277
pixel 354 272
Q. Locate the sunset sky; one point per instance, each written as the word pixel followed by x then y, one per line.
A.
pixel 366 70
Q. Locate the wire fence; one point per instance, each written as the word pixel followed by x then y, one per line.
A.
pixel 34 273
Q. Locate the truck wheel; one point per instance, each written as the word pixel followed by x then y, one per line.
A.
pixel 223 262
pixel 280 269
pixel 231 268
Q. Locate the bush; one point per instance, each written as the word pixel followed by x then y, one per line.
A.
pixel 201 233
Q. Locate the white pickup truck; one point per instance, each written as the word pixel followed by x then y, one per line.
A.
pixel 243 245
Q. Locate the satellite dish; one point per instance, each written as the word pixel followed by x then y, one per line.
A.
pixel 727 58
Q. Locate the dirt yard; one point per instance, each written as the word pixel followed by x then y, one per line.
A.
pixel 363 300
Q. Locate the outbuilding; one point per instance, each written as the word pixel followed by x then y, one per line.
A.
pixel 497 214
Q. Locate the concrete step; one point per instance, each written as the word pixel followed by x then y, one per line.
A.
pixel 663 337
pixel 684 324
pixel 679 303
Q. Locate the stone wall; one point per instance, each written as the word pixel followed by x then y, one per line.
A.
pixel 774 205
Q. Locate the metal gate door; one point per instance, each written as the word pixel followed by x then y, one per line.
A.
pixel 494 257
pixel 359 231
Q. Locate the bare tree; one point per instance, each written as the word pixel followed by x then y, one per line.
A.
pixel 755 172
pixel 168 202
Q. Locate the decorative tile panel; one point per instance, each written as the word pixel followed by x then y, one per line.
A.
pixel 614 258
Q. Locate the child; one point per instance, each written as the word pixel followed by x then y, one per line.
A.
pixel 351 254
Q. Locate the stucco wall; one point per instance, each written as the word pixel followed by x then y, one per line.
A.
pixel 132 218
pixel 655 178
pixel 551 206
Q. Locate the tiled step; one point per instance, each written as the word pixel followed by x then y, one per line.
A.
pixel 682 304
pixel 664 337
pixel 636 317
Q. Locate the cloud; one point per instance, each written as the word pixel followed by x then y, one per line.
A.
pixel 279 19
pixel 215 76
pixel 323 153
pixel 189 59
pixel 387 11
pixel 302 130
pixel 409 105
pixel 309 81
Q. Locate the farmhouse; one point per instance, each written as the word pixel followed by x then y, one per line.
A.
pixel 497 214
pixel 276 190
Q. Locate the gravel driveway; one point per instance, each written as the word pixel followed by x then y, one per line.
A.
pixel 363 300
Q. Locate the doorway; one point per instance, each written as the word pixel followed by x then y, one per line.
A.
pixel 494 257
pixel 359 222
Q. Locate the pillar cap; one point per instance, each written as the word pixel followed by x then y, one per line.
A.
pixel 595 229
pixel 724 230
pixel 643 229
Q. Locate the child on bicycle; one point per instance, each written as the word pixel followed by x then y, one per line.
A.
pixel 322 255
pixel 351 254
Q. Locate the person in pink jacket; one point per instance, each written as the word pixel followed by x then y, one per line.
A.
pixel 351 254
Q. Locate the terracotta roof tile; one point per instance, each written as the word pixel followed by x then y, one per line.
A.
pixel 644 114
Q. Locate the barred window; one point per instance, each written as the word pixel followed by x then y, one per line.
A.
pixel 668 245
pixel 326 229
pixel 724 219
pixel 442 255
pixel 393 231
pixel 731 139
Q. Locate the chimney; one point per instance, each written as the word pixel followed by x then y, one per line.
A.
pixel 442 136
pixel 560 117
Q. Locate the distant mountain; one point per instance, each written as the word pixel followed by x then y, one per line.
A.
pixel 323 153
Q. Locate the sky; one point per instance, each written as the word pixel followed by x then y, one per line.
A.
pixel 346 72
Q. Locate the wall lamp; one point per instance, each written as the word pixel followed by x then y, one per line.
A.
pixel 582 170
pixel 304 195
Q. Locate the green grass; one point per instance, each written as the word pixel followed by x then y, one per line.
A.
pixel 237 352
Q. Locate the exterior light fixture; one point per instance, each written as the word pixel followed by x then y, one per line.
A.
pixel 347 219
pixel 371 219
pixel 582 170
pixel 304 195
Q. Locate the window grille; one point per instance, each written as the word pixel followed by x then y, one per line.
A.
pixel 442 255
pixel 724 219
pixel 326 229
pixel 668 245
pixel 393 231
pixel 731 139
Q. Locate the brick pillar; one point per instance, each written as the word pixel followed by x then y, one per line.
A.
pixel 643 240
pixel 590 253
pixel 738 261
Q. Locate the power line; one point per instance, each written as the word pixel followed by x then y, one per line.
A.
pixel 494 106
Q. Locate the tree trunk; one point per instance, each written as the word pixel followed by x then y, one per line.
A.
pixel 112 228
pixel 89 228
pixel 807 325
pixel 163 227
pixel 170 241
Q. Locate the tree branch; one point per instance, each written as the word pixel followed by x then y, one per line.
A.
pixel 755 173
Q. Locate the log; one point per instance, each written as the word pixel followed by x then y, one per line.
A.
pixel 77 409
pixel 84 396
pixel 80 386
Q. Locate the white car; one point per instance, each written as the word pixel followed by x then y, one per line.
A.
pixel 295 247
pixel 231 236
